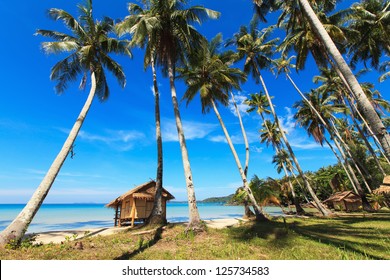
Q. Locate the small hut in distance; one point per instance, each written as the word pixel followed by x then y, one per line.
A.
pixel 346 201
pixel 137 204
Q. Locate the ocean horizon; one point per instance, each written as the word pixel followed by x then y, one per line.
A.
pixel 68 216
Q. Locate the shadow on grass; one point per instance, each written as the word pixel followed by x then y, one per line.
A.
pixel 340 234
pixel 142 245
pixel 263 230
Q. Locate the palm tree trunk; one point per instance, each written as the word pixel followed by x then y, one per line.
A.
pixel 247 211
pixel 320 206
pixel 156 217
pixel 347 171
pixel 300 185
pixel 363 103
pixel 366 205
pixel 16 230
pixel 348 95
pixel 243 135
pixel 347 150
pixel 332 131
pixel 194 218
pixel 368 145
pixel 298 208
pixel 376 140
pixel 260 216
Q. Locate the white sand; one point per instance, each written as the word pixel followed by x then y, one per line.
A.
pixel 60 236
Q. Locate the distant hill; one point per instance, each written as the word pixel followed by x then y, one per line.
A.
pixel 222 199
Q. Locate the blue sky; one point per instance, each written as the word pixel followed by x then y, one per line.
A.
pixel 116 149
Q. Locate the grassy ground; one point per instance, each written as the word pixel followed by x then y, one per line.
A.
pixel 347 237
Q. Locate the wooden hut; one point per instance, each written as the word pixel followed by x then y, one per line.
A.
pixel 346 201
pixel 384 190
pixel 137 204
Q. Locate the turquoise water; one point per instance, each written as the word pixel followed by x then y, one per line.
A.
pixel 51 217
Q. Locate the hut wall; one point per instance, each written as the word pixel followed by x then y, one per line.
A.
pixel 353 206
pixel 338 205
pixel 143 208
pixel 126 208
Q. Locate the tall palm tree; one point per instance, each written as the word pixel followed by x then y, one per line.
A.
pixel 88 46
pixel 209 74
pixel 143 25
pixel 363 103
pixel 256 51
pixel 176 38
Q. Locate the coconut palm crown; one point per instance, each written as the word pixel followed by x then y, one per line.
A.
pixel 88 46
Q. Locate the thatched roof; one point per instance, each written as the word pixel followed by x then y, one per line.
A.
pixel 386 181
pixel 144 191
pixel 347 196
pixel 382 190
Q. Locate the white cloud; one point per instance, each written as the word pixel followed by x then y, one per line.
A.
pixel 294 135
pixel 303 143
pixel 255 149
pixel 192 130
pixel 253 137
pixel 122 140
pixel 287 122
pixel 242 107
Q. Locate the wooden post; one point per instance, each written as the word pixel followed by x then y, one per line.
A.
pixel 132 212
pixel 116 215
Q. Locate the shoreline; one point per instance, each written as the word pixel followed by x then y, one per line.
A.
pixel 58 236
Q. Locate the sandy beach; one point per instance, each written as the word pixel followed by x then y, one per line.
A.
pixel 61 235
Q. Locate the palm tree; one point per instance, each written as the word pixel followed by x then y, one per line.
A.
pixel 209 74
pixel 265 191
pixel 175 39
pixel 302 39
pixel 371 21
pixel 271 134
pixel 363 103
pixel 385 68
pixel 143 25
pixel 315 113
pixel 252 47
pixel 88 46
pixel 332 84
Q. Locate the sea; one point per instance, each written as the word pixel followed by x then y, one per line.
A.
pixel 56 217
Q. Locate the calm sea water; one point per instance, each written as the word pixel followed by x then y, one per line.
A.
pixel 51 217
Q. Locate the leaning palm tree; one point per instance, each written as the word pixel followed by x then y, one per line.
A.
pixel 88 46
pixel 331 83
pixel 143 25
pixel 253 47
pixel 176 38
pixel 209 74
pixel 363 103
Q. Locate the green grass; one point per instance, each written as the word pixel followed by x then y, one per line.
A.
pixel 354 237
